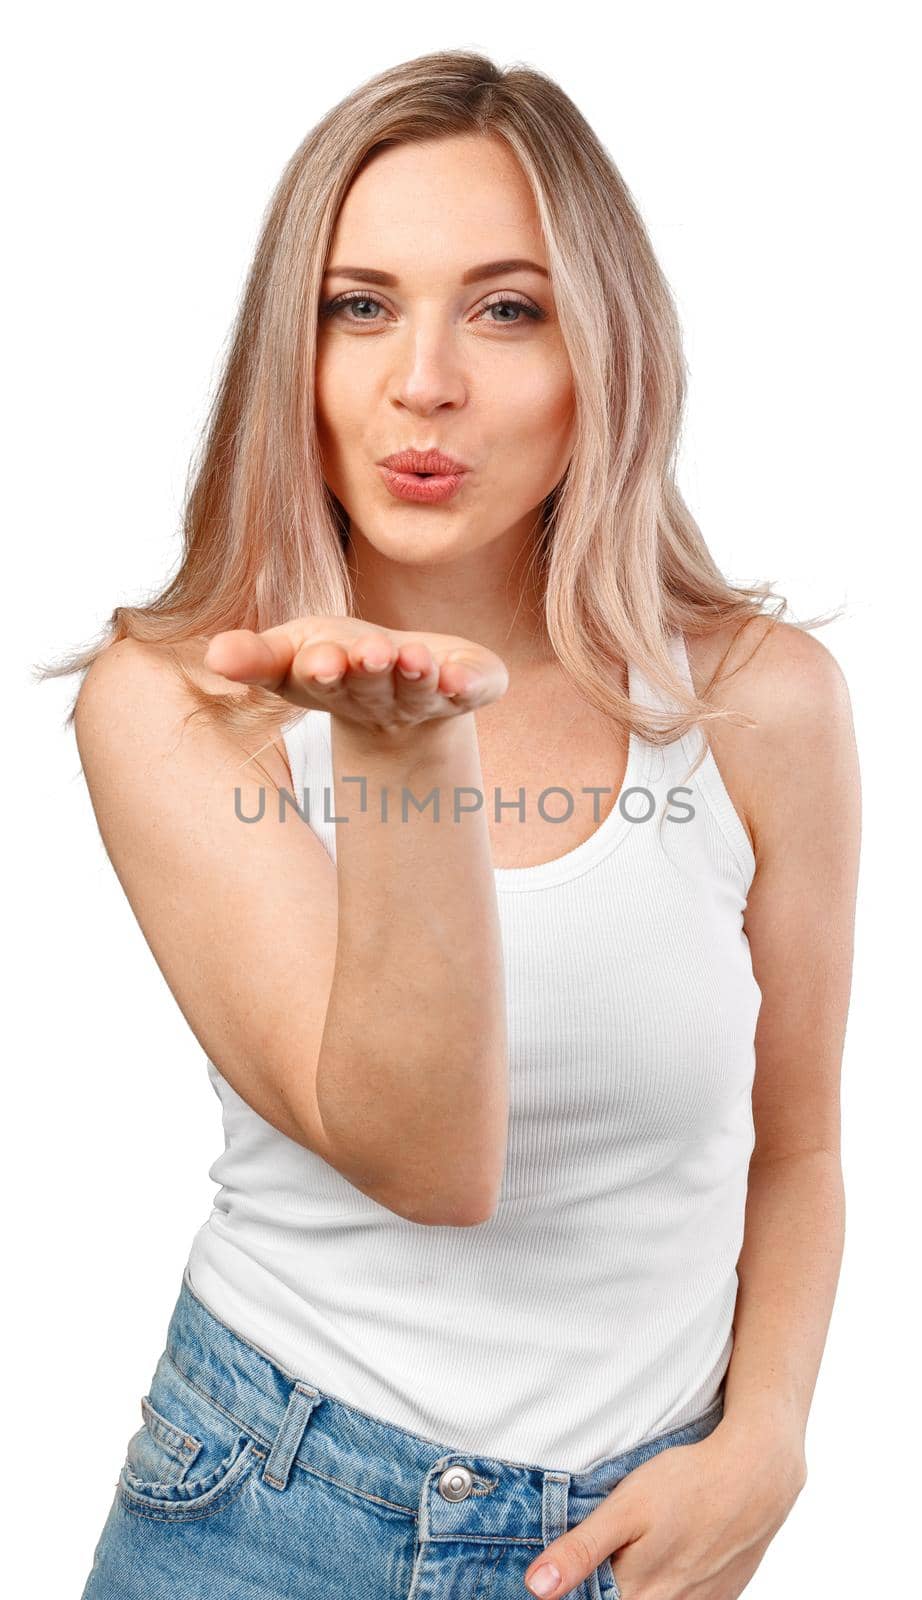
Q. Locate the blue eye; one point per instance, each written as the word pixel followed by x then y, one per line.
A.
pixel 332 306
pixel 530 310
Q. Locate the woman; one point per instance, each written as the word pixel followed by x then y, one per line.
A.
pixel 520 1272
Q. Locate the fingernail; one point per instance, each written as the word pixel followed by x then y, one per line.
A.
pixel 544 1581
pixel 331 679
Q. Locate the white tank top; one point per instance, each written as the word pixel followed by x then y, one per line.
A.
pixel 594 1309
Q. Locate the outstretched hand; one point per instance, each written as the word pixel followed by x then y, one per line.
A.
pixel 375 677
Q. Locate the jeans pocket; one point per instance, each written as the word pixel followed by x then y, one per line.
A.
pixel 603 1585
pixel 188 1459
pixel 160 1453
pixel 608 1583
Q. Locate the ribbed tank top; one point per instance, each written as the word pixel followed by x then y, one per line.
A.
pixel 594 1309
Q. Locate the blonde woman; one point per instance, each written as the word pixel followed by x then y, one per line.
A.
pixel 527 1019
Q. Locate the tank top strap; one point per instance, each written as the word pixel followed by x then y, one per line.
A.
pixel 689 759
pixel 645 693
pixel 308 742
pixel 679 652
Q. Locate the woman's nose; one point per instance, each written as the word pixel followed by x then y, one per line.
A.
pixel 427 368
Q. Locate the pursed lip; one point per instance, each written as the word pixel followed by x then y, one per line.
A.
pixel 432 461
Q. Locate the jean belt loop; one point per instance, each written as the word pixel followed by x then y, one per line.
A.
pixel 301 1403
pixel 554 1506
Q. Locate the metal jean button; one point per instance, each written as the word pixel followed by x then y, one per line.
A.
pixel 455 1483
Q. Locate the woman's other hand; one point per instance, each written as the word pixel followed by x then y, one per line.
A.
pixel 694 1519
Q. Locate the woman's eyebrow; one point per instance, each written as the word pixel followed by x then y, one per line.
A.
pixel 489 269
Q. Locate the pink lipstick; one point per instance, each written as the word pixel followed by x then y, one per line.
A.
pixel 426 476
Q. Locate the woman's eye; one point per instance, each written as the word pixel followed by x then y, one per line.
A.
pixel 341 301
pixel 504 302
pixel 526 306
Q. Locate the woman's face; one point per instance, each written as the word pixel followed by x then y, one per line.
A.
pixel 427 360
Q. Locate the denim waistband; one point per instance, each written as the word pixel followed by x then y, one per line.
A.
pixel 452 1491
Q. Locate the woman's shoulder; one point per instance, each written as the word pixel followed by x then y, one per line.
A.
pixel 761 665
pixel 160 668
pixel 139 703
pixel 791 698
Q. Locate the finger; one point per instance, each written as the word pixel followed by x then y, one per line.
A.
pixel 321 665
pixel 415 663
pixel 371 652
pixel 459 676
pixel 568 1561
pixel 263 658
pixel 416 678
pixel 371 658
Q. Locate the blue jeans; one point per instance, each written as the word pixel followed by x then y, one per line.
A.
pixel 245 1483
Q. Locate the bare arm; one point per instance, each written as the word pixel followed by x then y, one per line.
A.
pixel 412 1073
pixel 243 921
pixel 800 918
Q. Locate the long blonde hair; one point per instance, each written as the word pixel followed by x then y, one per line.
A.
pixel 622 561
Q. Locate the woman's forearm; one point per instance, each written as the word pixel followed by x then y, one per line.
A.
pixel 788 1274
pixel 412 1080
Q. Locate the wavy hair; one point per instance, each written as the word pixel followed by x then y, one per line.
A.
pixel 621 560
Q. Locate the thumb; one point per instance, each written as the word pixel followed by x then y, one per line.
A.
pixel 248 657
pixel 565 1563
pixel 265 659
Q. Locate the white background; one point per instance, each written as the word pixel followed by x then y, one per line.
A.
pixel 769 150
